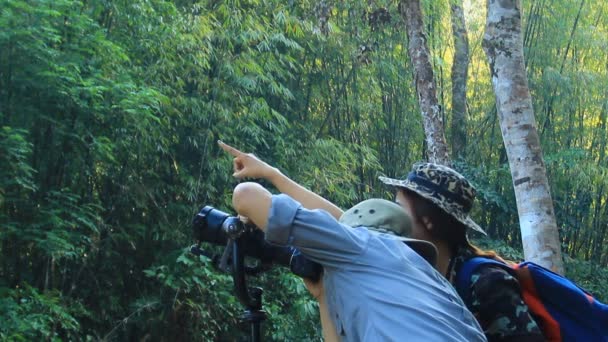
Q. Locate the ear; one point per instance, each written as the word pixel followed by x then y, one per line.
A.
pixel 427 223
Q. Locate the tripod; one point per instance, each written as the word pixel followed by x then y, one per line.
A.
pixel 251 298
pixel 217 227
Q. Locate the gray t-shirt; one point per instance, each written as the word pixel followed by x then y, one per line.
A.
pixel 376 287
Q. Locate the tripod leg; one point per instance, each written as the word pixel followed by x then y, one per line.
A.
pixel 255 331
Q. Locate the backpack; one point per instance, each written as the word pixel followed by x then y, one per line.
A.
pixel 563 311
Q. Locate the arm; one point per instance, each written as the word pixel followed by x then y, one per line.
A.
pixel 330 333
pixel 247 165
pixel 315 233
pixel 254 202
pixel 285 222
pixel 309 199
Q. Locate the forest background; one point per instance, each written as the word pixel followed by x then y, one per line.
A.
pixel 109 113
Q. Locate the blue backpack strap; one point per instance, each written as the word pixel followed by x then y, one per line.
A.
pixel 463 277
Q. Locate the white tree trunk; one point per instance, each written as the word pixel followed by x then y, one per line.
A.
pixel 504 48
pixel 436 147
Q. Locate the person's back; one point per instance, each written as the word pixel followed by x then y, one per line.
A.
pixel 388 292
pixel 439 199
pixel 377 288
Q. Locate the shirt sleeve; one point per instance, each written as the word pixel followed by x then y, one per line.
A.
pixel 497 303
pixel 316 233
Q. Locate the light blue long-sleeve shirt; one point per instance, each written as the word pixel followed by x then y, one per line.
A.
pixel 377 288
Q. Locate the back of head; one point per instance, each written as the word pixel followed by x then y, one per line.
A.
pixel 389 218
pixel 379 215
pixel 446 227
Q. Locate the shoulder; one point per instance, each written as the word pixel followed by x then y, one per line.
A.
pixel 471 271
pixel 492 285
pixel 490 275
pixel 497 301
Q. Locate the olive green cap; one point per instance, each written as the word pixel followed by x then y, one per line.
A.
pixel 388 217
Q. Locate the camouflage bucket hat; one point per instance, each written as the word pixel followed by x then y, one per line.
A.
pixel 389 218
pixel 443 186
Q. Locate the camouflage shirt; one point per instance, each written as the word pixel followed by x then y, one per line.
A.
pixel 496 302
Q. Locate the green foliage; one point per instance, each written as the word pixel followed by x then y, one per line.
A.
pixel 505 251
pixel 190 293
pixel 15 172
pixel 109 113
pixel 590 276
pixel 29 315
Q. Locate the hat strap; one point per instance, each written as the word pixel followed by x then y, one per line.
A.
pixel 414 178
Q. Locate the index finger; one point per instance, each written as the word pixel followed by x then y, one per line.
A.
pixel 233 151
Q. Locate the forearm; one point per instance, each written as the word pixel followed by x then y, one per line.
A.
pixel 307 198
pixel 330 334
pixel 247 165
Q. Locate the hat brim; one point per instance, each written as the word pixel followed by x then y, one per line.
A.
pixel 453 210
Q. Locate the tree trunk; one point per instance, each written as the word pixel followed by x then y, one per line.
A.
pixel 323 12
pixel 436 147
pixel 504 48
pixel 460 69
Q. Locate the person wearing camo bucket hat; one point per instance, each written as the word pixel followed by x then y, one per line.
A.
pixel 439 200
pixel 443 186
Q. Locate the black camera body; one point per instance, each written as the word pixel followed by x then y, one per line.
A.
pixel 217 227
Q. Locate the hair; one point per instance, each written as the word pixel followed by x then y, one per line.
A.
pixel 445 226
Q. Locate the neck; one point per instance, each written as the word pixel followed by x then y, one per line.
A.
pixel 444 255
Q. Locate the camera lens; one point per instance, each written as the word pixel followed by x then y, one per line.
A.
pixel 207 226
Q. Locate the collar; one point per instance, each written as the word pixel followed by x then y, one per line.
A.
pixel 462 254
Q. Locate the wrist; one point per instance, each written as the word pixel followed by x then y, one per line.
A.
pixel 272 174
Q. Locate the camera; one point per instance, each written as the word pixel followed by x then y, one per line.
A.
pixel 217 227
